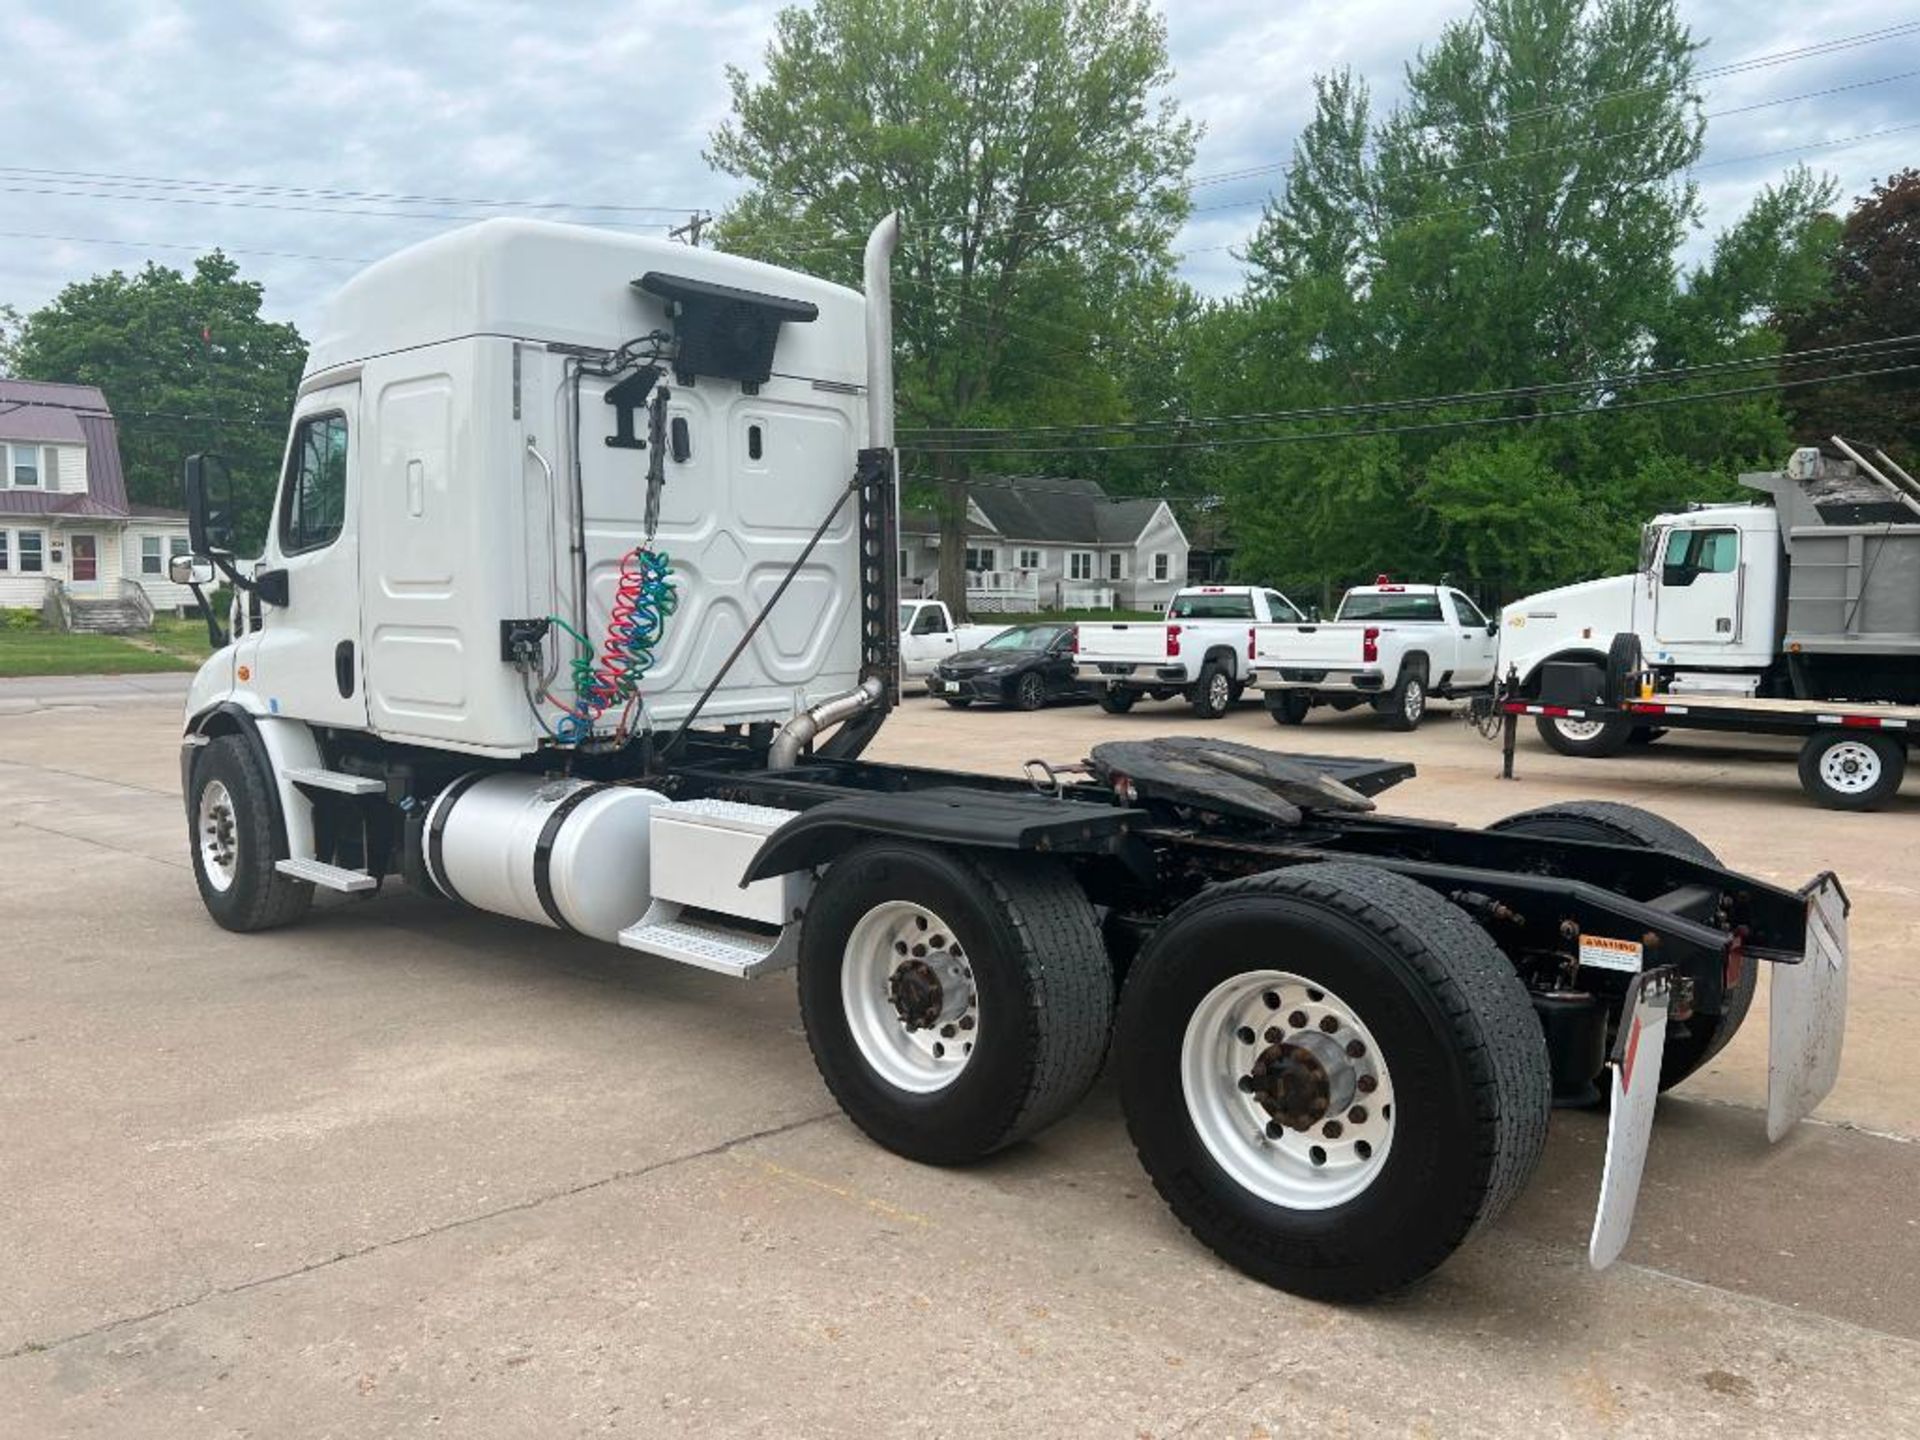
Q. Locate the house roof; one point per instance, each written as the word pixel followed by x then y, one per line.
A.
pixel 106 481
pixel 39 410
pixel 925 522
pixel 155 512
pixel 1059 510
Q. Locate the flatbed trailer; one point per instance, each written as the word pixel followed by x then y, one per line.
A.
pixel 1853 756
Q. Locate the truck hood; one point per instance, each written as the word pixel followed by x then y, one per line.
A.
pixel 1583 617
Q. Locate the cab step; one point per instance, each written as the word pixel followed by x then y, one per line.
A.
pixel 709 943
pixel 337 781
pixel 327 877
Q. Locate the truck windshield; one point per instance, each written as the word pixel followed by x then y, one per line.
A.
pixel 1389 607
pixel 1211 607
pixel 906 615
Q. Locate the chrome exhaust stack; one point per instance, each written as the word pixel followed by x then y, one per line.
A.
pixel 881 244
pixel 799 732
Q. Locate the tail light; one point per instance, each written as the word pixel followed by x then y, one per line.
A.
pixel 1370 644
pixel 1073 644
pixel 1249 642
pixel 1173 641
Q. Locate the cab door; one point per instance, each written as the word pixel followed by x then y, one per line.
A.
pixel 305 659
pixel 1697 588
pixel 1476 643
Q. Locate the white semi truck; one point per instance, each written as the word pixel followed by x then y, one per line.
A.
pixel 579 607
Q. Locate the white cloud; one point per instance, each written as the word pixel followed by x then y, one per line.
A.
pixel 611 102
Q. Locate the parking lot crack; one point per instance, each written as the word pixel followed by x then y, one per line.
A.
pixel 219 1292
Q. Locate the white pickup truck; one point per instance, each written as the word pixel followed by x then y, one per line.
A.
pixel 1392 646
pixel 928 636
pixel 1201 650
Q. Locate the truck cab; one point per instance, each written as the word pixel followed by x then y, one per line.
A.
pixel 1705 603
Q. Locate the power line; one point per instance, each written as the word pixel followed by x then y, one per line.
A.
pixel 1426 402
pixel 246 187
pixel 240 204
pixel 176 245
pixel 1470 422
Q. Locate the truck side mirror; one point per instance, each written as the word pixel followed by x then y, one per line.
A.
pixel 209 487
pixel 1493 627
pixel 190 570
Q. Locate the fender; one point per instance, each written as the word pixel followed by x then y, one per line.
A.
pixel 281 745
pixel 943 816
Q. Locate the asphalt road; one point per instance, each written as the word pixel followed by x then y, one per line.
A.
pixel 406 1170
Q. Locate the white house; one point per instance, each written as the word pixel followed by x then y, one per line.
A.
pixel 1041 542
pixel 68 534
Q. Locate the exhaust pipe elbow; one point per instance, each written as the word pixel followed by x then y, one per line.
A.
pixel 800 732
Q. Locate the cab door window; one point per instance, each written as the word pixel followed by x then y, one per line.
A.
pixel 1692 553
pixel 315 505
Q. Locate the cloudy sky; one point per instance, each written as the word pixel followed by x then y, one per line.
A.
pixel 139 129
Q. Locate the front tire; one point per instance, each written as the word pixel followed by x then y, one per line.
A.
pixel 1612 823
pixel 235 839
pixel 1375 987
pixel 1584 739
pixel 1851 769
pixel 954 1003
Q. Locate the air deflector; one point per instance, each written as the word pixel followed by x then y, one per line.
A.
pixel 722 331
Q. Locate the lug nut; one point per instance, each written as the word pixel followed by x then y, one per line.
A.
pixel 1366 1084
pixel 1355 1049
pixel 1298 1019
pixel 1358 1114
pixel 1333 1129
pixel 947 1032
pixel 1275 1035
pixel 1329 1024
pixel 966 1022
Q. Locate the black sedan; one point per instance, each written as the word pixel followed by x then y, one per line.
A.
pixel 1025 666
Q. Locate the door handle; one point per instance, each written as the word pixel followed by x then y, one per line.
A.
pixel 343 676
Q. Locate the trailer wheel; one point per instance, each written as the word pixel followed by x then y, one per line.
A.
pixel 1586 739
pixel 1289 707
pixel 1404 706
pixel 1117 700
pixel 954 1003
pixel 1212 693
pixel 1617 824
pixel 1851 769
pixel 1333 1076
pixel 235 840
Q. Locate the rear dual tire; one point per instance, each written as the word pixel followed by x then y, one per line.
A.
pixel 1425 995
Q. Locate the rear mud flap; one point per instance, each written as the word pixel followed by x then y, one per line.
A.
pixel 1807 1016
pixel 1634 1079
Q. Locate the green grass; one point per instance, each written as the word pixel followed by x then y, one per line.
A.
pixel 48 652
pixel 184 638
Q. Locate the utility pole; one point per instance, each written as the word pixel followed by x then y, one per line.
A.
pixel 689 233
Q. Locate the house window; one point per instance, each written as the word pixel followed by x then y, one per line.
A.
pixel 1160 563
pixel 25 470
pixel 6 552
pixel 1030 560
pixel 1113 565
pixel 1080 565
pixel 315 505
pixel 979 559
pixel 32 559
pixel 150 555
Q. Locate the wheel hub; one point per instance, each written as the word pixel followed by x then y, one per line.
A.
pixel 218 831
pixel 927 992
pixel 1300 1079
pixel 908 991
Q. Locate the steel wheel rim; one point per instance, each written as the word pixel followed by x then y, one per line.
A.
pixel 1578 729
pixel 1238 1030
pixel 1413 704
pixel 1851 767
pixel 900 937
pixel 217 830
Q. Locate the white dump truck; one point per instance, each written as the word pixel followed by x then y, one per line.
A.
pixel 579 607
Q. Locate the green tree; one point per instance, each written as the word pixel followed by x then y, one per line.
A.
pixel 1871 292
pixel 12 324
pixel 1515 222
pixel 187 363
pixel 1039 168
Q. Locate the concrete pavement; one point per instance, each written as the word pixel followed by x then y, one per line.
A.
pixel 405 1169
